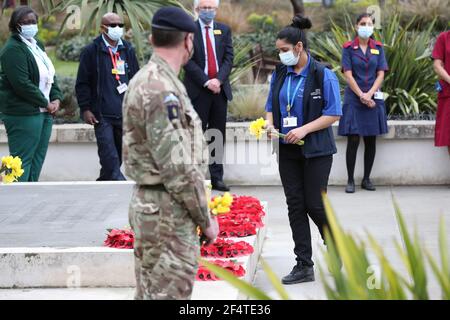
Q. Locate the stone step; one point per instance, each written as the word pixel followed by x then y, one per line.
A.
pixel 102 267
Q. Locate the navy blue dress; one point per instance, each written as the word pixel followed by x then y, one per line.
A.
pixel 358 118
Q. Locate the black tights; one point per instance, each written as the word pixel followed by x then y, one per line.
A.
pixel 370 144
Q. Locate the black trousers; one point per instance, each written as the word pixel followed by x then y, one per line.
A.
pixel 212 110
pixel 303 181
pixel 108 133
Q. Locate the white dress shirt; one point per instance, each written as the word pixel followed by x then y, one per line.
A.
pixel 45 66
pixel 213 42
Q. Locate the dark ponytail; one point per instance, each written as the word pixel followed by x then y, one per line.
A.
pixel 295 32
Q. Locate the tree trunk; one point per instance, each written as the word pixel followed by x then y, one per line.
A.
pixel 298 6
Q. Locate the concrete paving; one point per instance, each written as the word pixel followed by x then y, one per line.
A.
pixel 27 220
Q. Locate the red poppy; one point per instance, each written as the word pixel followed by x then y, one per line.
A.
pixel 226 249
pixel 120 239
pixel 203 274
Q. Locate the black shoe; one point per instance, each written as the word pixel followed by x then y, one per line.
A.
pixel 299 274
pixel 367 185
pixel 220 186
pixel 350 187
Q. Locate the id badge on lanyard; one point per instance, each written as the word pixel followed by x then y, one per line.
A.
pixel 291 122
pixel 118 70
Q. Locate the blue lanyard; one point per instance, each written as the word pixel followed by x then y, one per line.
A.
pixel 291 102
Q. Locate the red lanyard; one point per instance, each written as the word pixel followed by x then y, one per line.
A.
pixel 114 59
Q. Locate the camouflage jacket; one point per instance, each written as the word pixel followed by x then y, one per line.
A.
pixel 163 142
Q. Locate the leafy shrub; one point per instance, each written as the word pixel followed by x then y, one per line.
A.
pixel 424 13
pixel 70 50
pixel 69 112
pixel 264 33
pixel 248 103
pixel 46 32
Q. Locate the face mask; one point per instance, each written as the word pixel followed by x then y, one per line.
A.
pixel 365 32
pixel 207 16
pixel 288 58
pixel 29 31
pixel 115 33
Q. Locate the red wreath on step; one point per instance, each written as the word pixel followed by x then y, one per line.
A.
pixel 203 274
pixel 243 219
pixel 120 239
pixel 226 249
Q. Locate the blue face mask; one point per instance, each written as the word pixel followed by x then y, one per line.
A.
pixel 29 31
pixel 207 16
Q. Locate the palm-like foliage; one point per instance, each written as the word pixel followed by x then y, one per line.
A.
pixel 137 13
pixel 410 81
pixel 352 281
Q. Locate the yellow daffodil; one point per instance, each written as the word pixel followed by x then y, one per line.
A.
pixel 12 168
pixel 221 204
pixel 9 178
pixel 257 127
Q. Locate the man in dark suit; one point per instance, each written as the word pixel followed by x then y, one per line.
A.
pixel 207 83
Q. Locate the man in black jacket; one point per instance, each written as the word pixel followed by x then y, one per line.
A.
pixel 106 67
pixel 207 83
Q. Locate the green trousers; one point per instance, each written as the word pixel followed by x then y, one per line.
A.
pixel 28 138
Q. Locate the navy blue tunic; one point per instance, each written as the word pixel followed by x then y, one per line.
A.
pixel 358 118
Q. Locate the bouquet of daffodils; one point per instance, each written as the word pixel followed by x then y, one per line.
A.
pixel 221 204
pixel 218 205
pixel 10 169
pixel 259 127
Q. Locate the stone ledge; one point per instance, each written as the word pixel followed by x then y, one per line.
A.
pixel 238 131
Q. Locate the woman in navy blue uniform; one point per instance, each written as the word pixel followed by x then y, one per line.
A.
pixel 303 103
pixel 364 65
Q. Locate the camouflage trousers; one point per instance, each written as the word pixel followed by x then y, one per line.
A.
pixel 166 245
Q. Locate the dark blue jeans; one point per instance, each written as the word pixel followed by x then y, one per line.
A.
pixel 109 142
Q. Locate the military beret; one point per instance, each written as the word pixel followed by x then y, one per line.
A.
pixel 173 19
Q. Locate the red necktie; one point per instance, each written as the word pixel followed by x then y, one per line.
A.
pixel 212 67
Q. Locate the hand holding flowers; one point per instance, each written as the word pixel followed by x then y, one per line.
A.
pixel 258 127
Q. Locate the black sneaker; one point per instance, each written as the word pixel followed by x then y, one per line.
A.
pixel 367 185
pixel 350 187
pixel 299 274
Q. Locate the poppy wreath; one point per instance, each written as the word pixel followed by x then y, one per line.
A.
pixel 226 249
pixel 203 274
pixel 120 239
pixel 235 229
pixel 243 219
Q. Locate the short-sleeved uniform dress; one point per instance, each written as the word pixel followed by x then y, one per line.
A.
pixel 442 52
pixel 358 118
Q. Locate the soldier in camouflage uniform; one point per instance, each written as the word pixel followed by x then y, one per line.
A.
pixel 166 154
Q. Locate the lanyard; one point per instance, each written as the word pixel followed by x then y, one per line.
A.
pixel 114 58
pixel 291 102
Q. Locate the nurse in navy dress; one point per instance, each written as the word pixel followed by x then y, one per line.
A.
pixel 364 113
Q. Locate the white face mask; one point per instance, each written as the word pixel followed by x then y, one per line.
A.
pixel 29 31
pixel 115 33
pixel 365 32
pixel 288 58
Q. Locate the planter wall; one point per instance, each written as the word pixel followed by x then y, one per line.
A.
pixel 405 156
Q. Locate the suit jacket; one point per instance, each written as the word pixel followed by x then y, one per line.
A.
pixel 195 76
